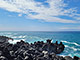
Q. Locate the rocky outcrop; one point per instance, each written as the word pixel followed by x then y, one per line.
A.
pixel 4 39
pixel 34 51
pixel 53 47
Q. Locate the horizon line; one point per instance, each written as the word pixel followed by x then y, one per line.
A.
pixel 43 31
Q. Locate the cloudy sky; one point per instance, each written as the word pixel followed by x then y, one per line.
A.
pixel 39 15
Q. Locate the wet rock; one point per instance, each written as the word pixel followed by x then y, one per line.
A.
pixel 28 58
pixel 79 59
pixel 49 41
pixel 60 48
pixel 34 51
pixel 50 47
pixel 1 53
pixel 3 58
pixel 18 58
pixel 75 58
pixel 68 58
pixel 4 39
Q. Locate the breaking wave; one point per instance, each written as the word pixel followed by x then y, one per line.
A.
pixel 18 37
pixel 71 43
pixel 15 41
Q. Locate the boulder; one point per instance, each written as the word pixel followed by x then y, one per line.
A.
pixel 75 58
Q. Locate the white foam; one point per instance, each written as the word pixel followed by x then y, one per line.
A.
pixel 51 40
pixel 76 54
pixel 15 41
pixel 18 36
pixel 70 55
pixel 71 43
pixel 21 36
pixel 62 55
pixel 66 46
pixel 73 48
pixel 66 42
pixel 14 37
pixel 76 44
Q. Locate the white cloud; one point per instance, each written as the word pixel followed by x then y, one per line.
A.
pixel 48 14
pixel 78 18
pixel 10 7
pixel 19 15
pixel 51 19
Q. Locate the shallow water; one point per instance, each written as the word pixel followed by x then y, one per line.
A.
pixel 71 40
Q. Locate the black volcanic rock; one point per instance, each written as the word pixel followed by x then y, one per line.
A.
pixel 34 51
pixel 68 58
pixel 75 58
pixel 4 39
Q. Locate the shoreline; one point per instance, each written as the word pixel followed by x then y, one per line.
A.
pixel 32 51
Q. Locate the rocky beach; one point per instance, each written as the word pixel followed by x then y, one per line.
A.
pixel 32 51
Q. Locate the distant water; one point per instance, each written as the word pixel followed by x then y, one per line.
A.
pixel 71 40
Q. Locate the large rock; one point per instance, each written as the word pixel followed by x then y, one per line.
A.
pixel 4 39
pixel 75 58
pixel 51 47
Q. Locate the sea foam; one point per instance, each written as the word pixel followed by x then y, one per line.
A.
pixel 71 43
pixel 15 41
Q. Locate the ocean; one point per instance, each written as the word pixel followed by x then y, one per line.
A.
pixel 71 40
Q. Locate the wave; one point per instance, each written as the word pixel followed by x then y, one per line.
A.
pixel 71 43
pixel 76 44
pixel 15 41
pixel 73 48
pixel 66 46
pixel 18 36
pixel 76 54
pixel 63 55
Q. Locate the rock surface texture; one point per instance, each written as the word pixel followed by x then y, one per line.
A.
pixel 34 51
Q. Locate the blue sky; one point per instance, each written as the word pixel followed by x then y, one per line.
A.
pixel 39 15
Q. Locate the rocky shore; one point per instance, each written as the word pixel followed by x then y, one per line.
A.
pixel 34 51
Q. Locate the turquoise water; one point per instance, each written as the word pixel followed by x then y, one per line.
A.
pixel 71 40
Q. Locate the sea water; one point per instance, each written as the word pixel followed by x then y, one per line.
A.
pixel 71 40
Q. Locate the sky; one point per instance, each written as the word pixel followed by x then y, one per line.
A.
pixel 39 15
